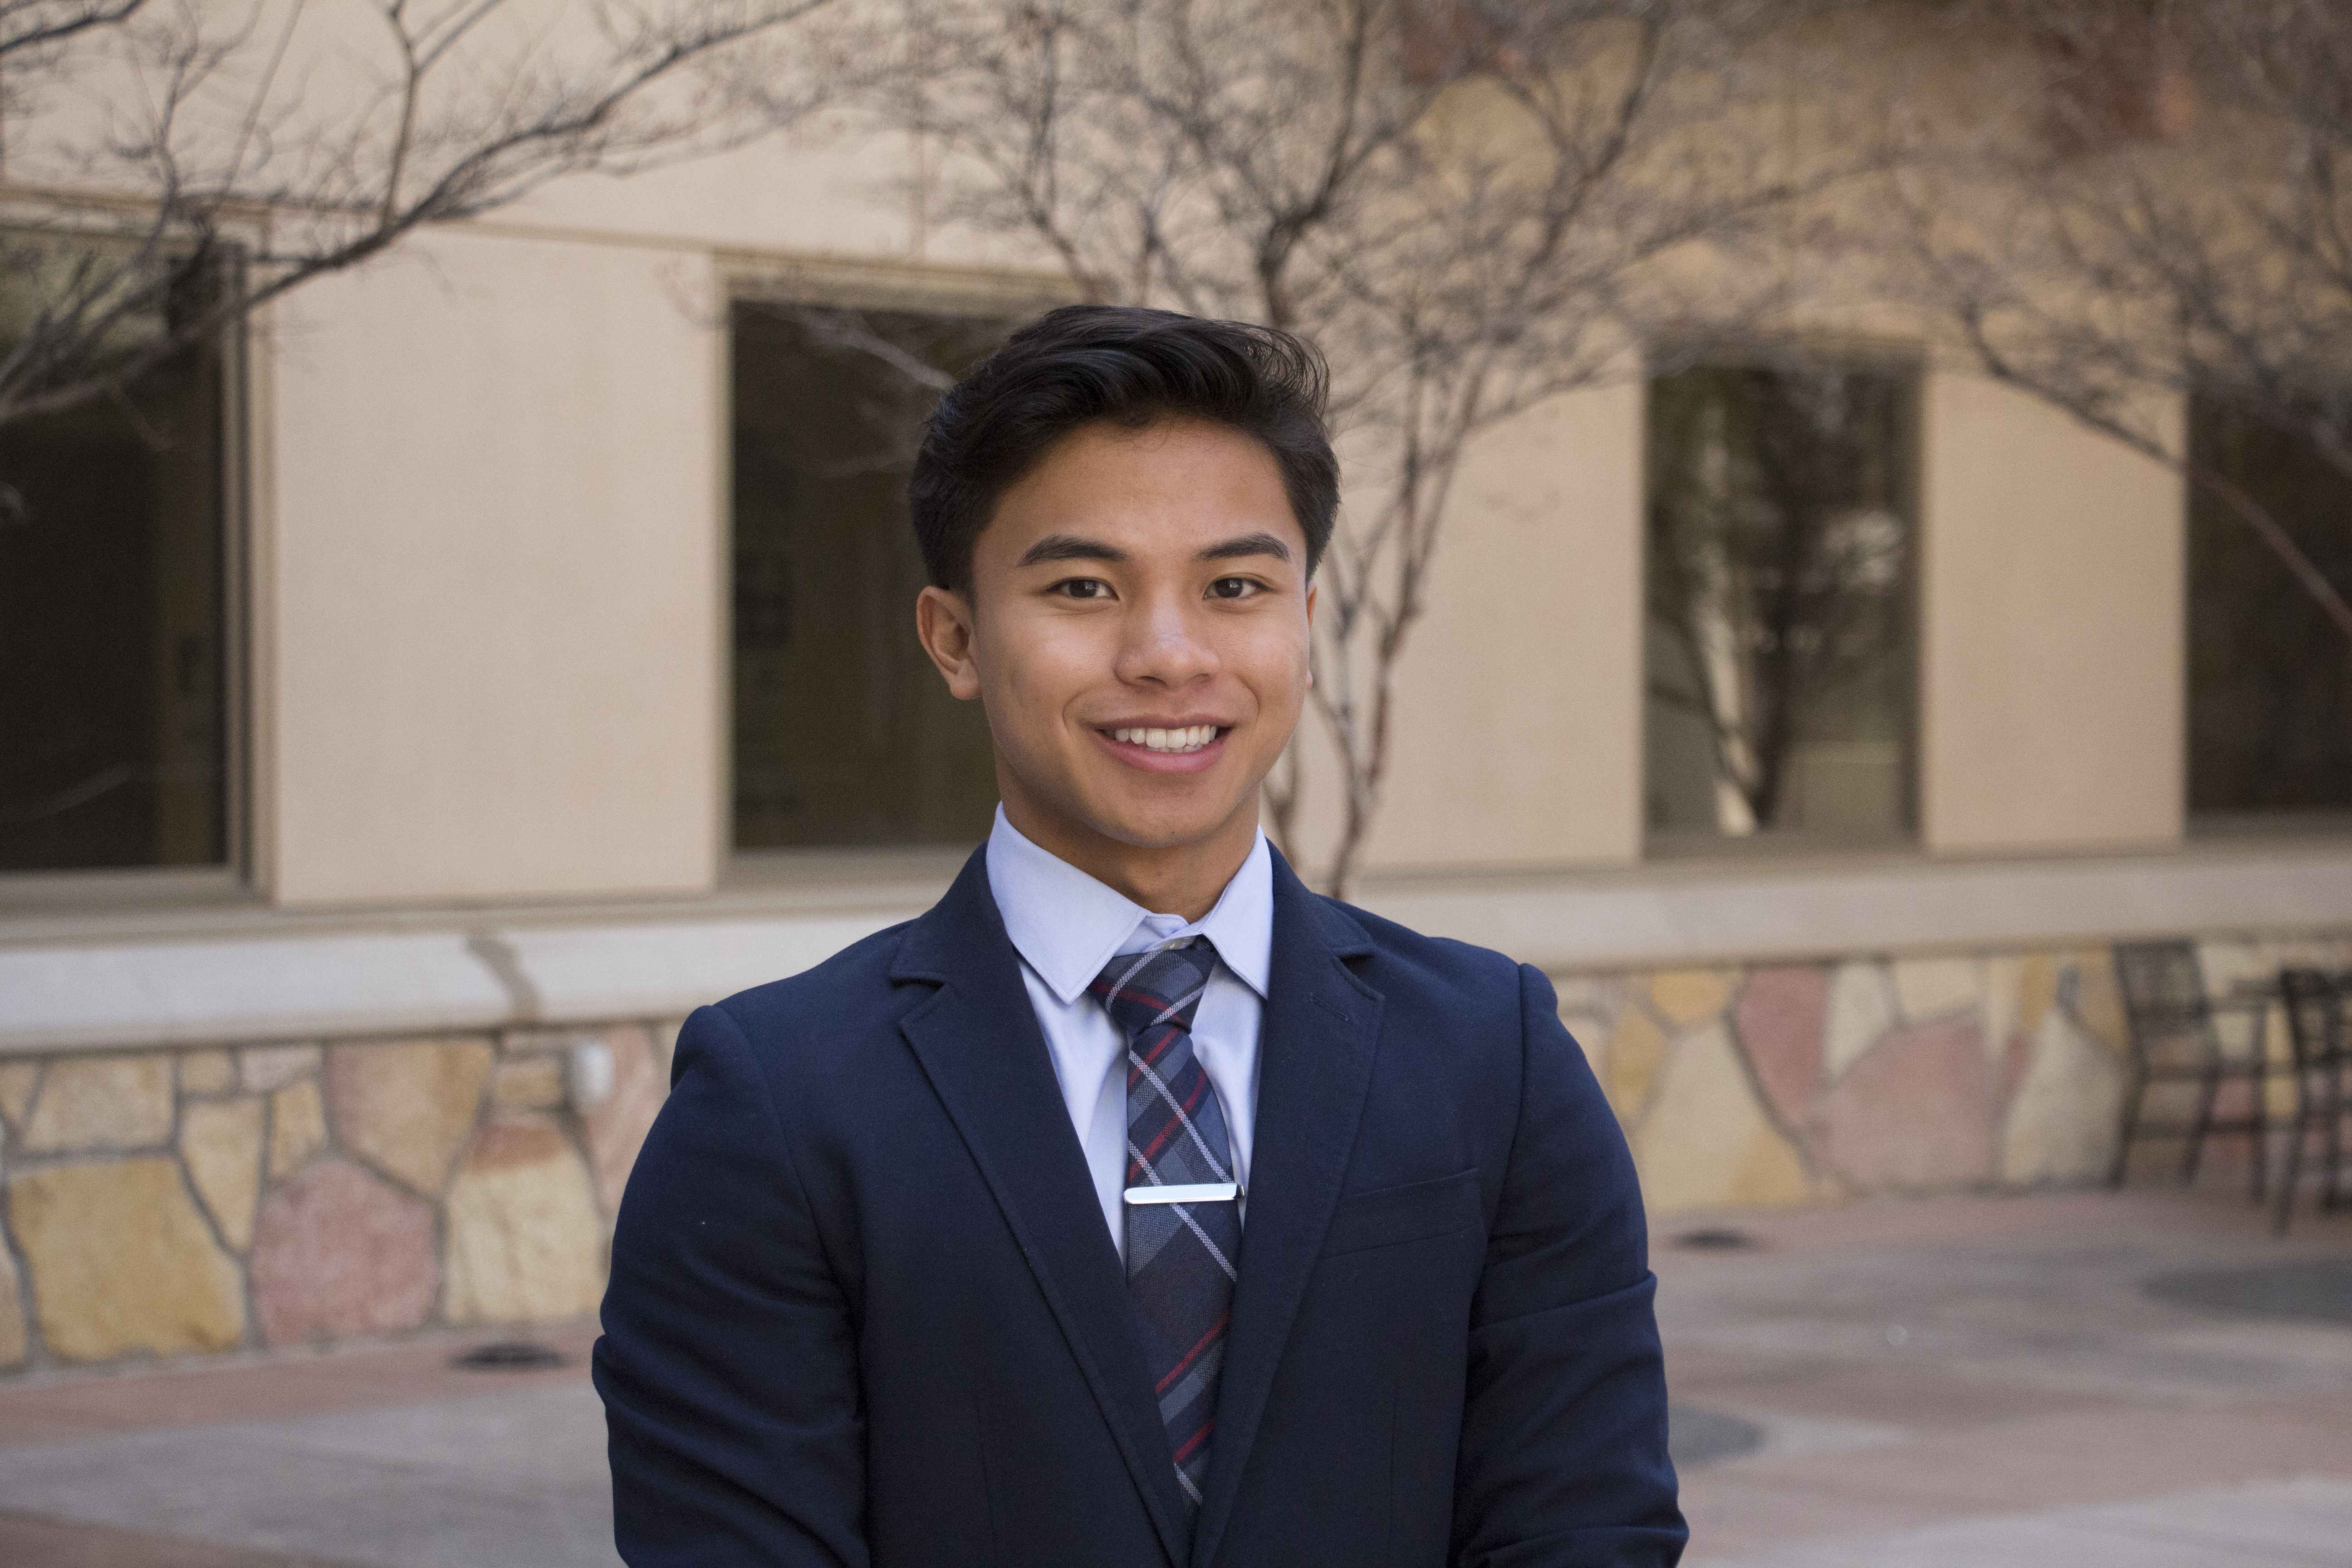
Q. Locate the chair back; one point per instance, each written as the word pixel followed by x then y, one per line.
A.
pixel 2164 1005
pixel 2315 1004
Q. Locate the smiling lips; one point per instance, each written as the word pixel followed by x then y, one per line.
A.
pixel 1190 737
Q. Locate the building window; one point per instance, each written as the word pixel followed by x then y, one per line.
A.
pixel 114 689
pixel 2270 675
pixel 843 734
pixel 1779 640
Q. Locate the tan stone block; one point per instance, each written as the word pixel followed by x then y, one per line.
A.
pixel 2099 1001
pixel 123 1263
pixel 220 1143
pixel 535 1042
pixel 2061 1122
pixel 525 1242
pixel 2037 992
pixel 1928 988
pixel 104 1102
pixel 1636 1050
pixel 409 1108
pixel 616 1129
pixel 1861 1012
pixel 1590 1033
pixel 665 1041
pixel 207 1072
pixel 17 1081
pixel 2226 963
pixel 529 1083
pixel 1706 1143
pixel 1688 996
pixel 1584 992
pixel 13 1348
pixel 297 1127
pixel 267 1067
pixel 1771 1175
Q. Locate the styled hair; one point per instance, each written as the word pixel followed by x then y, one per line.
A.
pixel 1085 364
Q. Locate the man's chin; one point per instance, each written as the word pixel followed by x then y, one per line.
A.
pixel 1155 828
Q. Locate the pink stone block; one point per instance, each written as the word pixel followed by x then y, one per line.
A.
pixel 1782 1021
pixel 616 1130
pixel 338 1253
pixel 1915 1112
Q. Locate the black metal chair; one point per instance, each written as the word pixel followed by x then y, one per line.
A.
pixel 2322 1045
pixel 2171 1020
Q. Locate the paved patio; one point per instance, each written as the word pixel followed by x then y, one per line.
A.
pixel 2063 1381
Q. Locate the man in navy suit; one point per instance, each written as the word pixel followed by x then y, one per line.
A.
pixel 1135 1205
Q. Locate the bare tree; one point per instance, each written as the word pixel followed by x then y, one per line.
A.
pixel 2162 214
pixel 172 166
pixel 1471 208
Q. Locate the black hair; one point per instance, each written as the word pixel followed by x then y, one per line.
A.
pixel 1083 365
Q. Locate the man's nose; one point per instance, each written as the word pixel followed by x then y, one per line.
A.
pixel 1166 643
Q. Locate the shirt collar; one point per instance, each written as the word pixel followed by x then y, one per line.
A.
pixel 1067 925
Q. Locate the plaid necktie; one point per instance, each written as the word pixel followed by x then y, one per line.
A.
pixel 1179 1256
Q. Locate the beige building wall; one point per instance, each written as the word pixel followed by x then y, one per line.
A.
pixel 490 558
pixel 2052 635
pixel 1520 698
pixel 811 195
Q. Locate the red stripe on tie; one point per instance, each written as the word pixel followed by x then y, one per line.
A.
pixel 1175 1124
pixel 1196 1439
pixel 1166 1034
pixel 1159 1140
pixel 1193 1354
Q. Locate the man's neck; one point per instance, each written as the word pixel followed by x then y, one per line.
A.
pixel 1185 879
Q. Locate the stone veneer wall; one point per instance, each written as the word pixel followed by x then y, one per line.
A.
pixel 177 1203
pixel 1781 1084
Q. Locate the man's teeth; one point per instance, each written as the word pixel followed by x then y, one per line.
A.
pixel 1192 738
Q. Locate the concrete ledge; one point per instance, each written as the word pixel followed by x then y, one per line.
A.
pixel 243 988
pixel 1677 914
pixel 288 976
pixel 585 974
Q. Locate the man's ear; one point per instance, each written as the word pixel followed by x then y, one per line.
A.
pixel 943 623
pixel 1311 631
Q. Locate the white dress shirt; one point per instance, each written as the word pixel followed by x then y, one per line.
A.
pixel 1066 926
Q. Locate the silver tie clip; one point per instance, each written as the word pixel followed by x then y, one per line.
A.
pixel 1197 1193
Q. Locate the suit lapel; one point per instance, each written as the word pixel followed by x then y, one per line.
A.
pixel 1315 1066
pixel 980 1045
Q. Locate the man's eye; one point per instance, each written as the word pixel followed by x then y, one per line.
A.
pixel 1232 588
pixel 1083 588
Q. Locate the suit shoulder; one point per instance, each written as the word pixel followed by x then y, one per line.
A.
pixel 1441 962
pixel 855 980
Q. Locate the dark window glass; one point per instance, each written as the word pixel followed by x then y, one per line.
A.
pixel 113 735
pixel 1779 568
pixel 2270 675
pixel 844 733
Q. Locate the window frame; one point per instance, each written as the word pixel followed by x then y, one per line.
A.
pixel 234 878
pixel 2227 825
pixel 1901 358
pixel 833 284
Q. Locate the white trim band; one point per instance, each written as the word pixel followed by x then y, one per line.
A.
pixel 1197 1193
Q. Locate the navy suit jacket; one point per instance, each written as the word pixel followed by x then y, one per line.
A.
pixel 864 1308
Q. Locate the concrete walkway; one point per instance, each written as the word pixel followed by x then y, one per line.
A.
pixel 2071 1381
pixel 2068 1381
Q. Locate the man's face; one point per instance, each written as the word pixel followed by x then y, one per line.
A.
pixel 1136 630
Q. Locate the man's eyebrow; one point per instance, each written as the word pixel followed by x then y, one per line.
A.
pixel 1068 547
pixel 1247 545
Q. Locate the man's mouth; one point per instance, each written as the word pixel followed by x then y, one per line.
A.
pixel 1190 737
